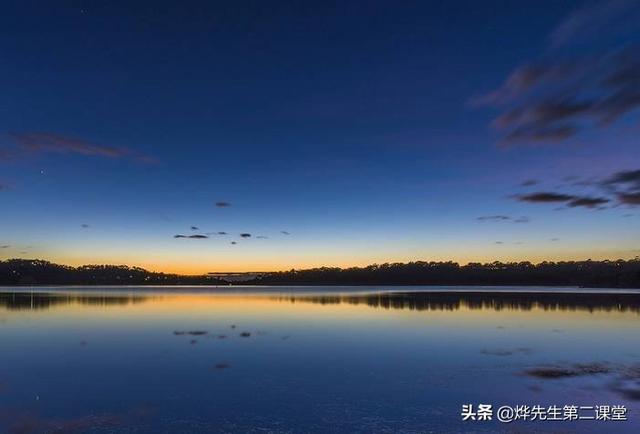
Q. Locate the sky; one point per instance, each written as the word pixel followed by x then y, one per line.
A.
pixel 156 134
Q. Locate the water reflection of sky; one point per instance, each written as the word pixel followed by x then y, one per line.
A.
pixel 314 361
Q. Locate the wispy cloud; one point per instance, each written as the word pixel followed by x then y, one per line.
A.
pixel 555 97
pixel 493 218
pixel 42 143
pixel 593 19
pixel 502 218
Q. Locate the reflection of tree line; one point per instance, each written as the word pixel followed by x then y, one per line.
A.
pixel 439 301
pixel 30 301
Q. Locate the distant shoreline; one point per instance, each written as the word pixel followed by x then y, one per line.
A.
pixel 618 274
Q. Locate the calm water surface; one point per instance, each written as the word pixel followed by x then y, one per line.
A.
pixel 190 360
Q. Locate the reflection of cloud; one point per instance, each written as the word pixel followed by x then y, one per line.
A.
pixel 59 144
pixel 222 204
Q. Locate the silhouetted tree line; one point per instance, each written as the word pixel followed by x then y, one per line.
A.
pixel 39 272
pixel 613 274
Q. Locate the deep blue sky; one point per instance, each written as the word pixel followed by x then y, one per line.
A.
pixel 363 129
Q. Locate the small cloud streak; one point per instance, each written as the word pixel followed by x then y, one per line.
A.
pixel 285 233
pixel 245 235
pixel 223 204
pixel 545 197
pixel 571 200
pixel 36 143
pixel 493 218
pixel 193 237
pixel 85 226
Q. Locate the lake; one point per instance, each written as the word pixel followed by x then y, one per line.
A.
pixel 200 360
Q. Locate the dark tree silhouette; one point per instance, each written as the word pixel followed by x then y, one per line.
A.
pixel 595 274
pixel 614 274
pixel 39 272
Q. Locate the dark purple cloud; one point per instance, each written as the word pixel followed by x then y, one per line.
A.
pixel 629 198
pixel 628 179
pixel 571 200
pixel 545 197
